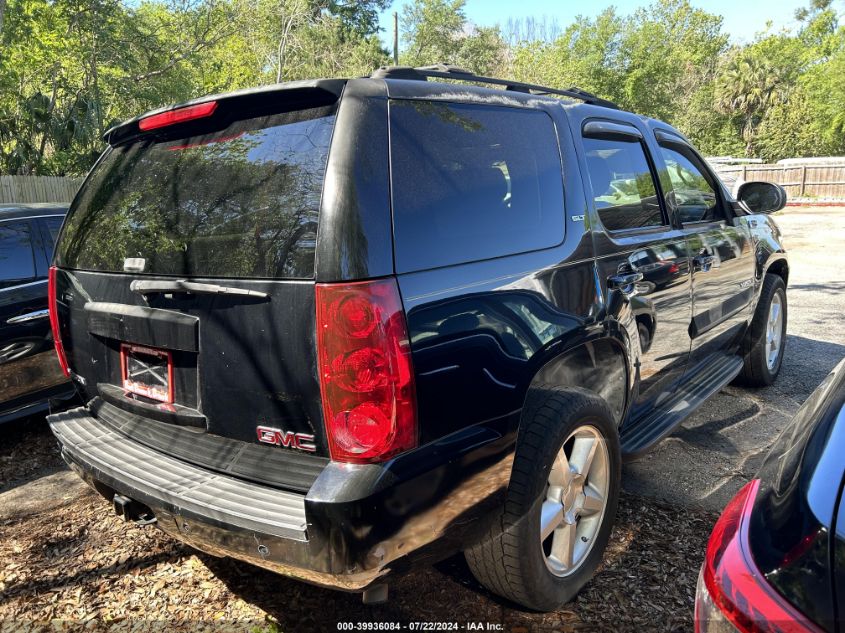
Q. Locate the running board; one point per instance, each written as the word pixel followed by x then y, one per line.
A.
pixel 643 434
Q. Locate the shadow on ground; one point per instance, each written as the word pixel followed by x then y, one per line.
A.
pixel 719 448
pixel 28 451
pixel 647 581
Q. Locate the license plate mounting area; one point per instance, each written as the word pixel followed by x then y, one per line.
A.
pixel 147 371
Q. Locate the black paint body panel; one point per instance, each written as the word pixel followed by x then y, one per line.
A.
pixel 482 334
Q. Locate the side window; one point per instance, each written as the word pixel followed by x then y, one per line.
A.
pixel 692 196
pixel 54 225
pixel 17 261
pixel 472 182
pixel 623 185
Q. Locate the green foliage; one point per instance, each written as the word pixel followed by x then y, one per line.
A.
pixel 69 69
pixel 437 31
pixel 781 95
pixel 748 88
pixel 652 62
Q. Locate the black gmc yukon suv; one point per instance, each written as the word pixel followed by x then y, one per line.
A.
pixel 338 328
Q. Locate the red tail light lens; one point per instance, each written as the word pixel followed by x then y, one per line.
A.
pixel 732 592
pixel 54 320
pixel 366 376
pixel 179 115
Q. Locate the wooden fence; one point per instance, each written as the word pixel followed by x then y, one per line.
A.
pixel 14 189
pixel 802 182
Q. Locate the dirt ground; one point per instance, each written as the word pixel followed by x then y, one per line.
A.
pixel 77 564
pixel 66 562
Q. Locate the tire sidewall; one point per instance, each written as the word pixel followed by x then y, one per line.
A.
pixel 644 333
pixel 551 591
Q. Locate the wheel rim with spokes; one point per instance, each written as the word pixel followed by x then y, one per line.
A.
pixel 13 351
pixel 774 331
pixel 575 500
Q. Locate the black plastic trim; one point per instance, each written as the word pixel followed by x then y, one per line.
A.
pixel 148 326
pixel 268 465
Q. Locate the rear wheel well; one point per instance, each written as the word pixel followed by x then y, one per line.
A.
pixel 597 366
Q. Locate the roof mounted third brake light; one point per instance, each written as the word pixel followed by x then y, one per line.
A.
pixel 179 115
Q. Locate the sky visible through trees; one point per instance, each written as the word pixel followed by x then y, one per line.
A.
pixel 69 69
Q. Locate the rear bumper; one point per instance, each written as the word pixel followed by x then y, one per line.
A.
pixel 356 524
pixel 217 514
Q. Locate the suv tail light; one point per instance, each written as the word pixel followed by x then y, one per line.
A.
pixel 366 376
pixel 732 594
pixel 54 320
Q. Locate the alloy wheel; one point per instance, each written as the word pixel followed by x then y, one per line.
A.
pixel 575 500
pixel 774 331
pixel 15 350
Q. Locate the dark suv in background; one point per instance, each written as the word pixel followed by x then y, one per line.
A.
pixel 337 328
pixel 29 373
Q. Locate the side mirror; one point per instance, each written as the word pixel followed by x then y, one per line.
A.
pixel 762 197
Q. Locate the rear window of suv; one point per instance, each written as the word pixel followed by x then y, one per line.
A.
pixel 472 182
pixel 238 202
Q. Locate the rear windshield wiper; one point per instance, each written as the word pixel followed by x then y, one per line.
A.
pixel 166 286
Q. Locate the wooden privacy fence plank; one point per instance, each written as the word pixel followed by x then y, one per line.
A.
pixel 27 189
pixel 800 181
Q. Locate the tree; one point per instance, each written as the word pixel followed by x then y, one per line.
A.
pixel 70 69
pixel 437 31
pixel 747 88
pixel 651 62
pixel 431 31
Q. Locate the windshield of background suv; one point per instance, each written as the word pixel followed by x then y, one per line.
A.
pixel 239 202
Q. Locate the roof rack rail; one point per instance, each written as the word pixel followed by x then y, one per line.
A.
pixel 446 71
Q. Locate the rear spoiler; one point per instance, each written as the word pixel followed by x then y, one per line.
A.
pixel 299 94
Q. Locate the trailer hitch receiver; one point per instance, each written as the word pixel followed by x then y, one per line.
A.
pixel 131 510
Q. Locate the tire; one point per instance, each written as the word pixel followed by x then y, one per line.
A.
pixel 758 370
pixel 512 561
pixel 645 336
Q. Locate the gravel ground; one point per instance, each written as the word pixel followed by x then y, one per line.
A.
pixel 66 561
pixel 78 564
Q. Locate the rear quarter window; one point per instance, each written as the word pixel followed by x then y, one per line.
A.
pixel 472 182
pixel 240 202
pixel 17 263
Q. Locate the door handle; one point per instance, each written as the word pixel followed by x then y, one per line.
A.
pixel 703 263
pixel 622 281
pixel 29 316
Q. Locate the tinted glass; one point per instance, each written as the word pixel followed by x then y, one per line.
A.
pixel 54 225
pixel 692 196
pixel 241 202
pixel 623 186
pixel 472 182
pixel 17 263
